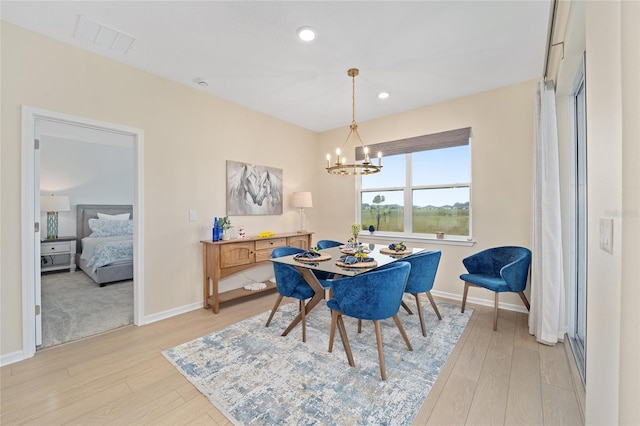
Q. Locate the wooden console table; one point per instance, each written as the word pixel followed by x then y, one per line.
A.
pixel 224 258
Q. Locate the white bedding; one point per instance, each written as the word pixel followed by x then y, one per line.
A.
pixel 103 251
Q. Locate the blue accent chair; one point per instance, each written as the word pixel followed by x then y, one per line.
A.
pixel 424 266
pixel 499 269
pixel 290 283
pixel 325 244
pixel 374 295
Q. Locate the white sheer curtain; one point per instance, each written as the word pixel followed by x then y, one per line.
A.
pixel 547 315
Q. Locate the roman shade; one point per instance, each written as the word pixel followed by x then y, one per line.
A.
pixel 446 139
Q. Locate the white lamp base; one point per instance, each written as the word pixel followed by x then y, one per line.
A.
pixel 302 230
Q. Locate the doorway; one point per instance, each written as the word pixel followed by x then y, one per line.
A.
pixel 84 166
pixel 31 235
pixel 578 318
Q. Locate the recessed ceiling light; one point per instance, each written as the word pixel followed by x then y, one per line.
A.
pixel 201 82
pixel 306 33
pixel 383 95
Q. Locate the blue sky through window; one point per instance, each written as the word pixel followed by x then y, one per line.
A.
pixel 433 167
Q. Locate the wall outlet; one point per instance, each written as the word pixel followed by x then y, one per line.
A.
pixel 606 234
pixel 192 215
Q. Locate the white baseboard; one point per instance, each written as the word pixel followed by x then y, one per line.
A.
pixel 18 356
pixel 483 302
pixel 172 312
pixel 11 358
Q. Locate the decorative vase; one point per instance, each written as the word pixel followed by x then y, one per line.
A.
pixel 226 235
pixel 215 231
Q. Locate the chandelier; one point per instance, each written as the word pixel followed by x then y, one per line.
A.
pixel 341 167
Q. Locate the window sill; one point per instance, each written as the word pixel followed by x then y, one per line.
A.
pixel 379 237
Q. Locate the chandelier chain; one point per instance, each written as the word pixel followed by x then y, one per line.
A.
pixel 353 98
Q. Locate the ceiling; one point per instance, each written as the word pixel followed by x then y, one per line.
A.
pixel 421 52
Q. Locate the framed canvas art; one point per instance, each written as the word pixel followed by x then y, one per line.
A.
pixel 253 190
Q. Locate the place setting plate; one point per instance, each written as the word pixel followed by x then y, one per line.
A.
pixel 391 252
pixel 393 249
pixel 321 258
pixel 351 250
pixel 358 265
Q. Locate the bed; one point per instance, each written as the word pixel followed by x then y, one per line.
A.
pixel 107 256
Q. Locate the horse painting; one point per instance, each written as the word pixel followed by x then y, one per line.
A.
pixel 253 190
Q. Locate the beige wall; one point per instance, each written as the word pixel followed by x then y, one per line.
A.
pixel 188 137
pixel 608 31
pixel 630 219
pixel 502 145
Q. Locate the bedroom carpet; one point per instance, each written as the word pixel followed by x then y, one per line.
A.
pixel 74 306
pixel 254 376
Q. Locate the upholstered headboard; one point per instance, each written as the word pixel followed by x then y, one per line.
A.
pixel 89 211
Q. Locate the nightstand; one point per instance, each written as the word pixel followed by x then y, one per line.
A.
pixel 58 254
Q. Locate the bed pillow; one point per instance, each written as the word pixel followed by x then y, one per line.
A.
pixel 123 216
pixel 110 228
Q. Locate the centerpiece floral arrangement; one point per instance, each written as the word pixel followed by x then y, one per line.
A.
pixel 355 231
pixel 360 254
pixel 398 247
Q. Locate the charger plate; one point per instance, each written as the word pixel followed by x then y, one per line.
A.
pixel 344 246
pixel 357 264
pixel 322 257
pixel 352 251
pixel 393 252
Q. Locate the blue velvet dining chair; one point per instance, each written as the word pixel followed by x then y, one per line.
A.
pixel 424 266
pixel 325 244
pixel 290 283
pixel 375 296
pixel 499 269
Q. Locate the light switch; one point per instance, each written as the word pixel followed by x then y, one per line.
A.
pixel 192 215
pixel 606 235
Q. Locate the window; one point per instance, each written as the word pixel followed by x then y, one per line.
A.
pixel 430 173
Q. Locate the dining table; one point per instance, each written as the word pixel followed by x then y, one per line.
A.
pixel 328 264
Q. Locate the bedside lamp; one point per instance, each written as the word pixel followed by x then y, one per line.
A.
pixel 52 204
pixel 301 200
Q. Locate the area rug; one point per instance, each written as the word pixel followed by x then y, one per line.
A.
pixel 74 307
pixel 254 376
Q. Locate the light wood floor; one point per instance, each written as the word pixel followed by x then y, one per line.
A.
pixel 121 377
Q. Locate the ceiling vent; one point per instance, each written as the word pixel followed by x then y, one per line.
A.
pixel 103 36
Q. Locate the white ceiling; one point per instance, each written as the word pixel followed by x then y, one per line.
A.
pixel 421 52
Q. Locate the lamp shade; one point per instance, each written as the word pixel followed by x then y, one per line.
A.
pixel 54 203
pixel 301 199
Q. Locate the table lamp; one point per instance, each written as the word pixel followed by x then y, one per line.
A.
pixel 301 200
pixel 52 204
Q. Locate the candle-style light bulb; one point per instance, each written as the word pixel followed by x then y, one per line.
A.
pixel 338 155
pixel 328 160
pixel 379 158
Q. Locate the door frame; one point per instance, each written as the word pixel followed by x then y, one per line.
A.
pixel 578 352
pixel 30 263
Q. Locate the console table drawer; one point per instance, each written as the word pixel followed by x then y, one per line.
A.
pixel 271 243
pixel 262 255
